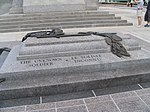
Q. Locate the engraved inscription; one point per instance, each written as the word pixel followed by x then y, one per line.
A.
pixel 40 62
pixel 62 61
pixel 25 62
pixel 86 58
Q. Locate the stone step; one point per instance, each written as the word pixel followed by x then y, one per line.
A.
pixel 98 25
pixel 44 21
pixel 57 20
pixel 53 14
pixel 129 93
pixel 16 29
pixel 59 24
pixel 73 23
pixel 66 83
pixel 55 17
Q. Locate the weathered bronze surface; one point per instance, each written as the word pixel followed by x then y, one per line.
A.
pixel 4 49
pixel 43 34
pixel 2 80
pixel 114 41
pixel 116 47
pixel 111 39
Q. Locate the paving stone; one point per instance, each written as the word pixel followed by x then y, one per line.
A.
pixel 51 110
pixel 123 95
pixel 62 97
pixel 107 106
pixel 44 106
pixel 143 91
pixel 145 85
pixel 19 102
pixel 98 99
pixel 117 89
pixel 13 109
pixel 133 87
pixel 69 103
pixel 73 109
pixel 131 104
pixel 10 44
pixel 146 99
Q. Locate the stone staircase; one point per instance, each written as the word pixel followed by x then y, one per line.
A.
pixel 45 21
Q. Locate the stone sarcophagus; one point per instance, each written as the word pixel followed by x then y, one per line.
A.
pixel 80 53
pixel 47 63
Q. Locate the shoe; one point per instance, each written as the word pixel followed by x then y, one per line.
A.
pixel 146 25
pixel 139 26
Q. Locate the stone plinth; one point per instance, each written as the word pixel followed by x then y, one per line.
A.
pixel 16 7
pixel 70 54
pixel 48 66
pixel 91 4
pixel 40 6
pixel 30 6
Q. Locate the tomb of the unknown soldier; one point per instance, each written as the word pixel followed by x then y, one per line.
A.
pixel 64 61
pixel 53 62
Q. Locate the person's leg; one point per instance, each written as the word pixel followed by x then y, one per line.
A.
pixel 147 24
pixel 131 4
pixel 139 15
pixel 128 4
pixel 146 19
pixel 139 20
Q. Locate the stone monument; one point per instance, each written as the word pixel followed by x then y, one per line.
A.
pixel 68 54
pixel 39 6
pixel 53 65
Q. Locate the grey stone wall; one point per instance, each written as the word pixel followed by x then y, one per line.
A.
pixel 91 4
pixel 35 6
pixel 16 7
pixel 32 6
pixel 5 5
